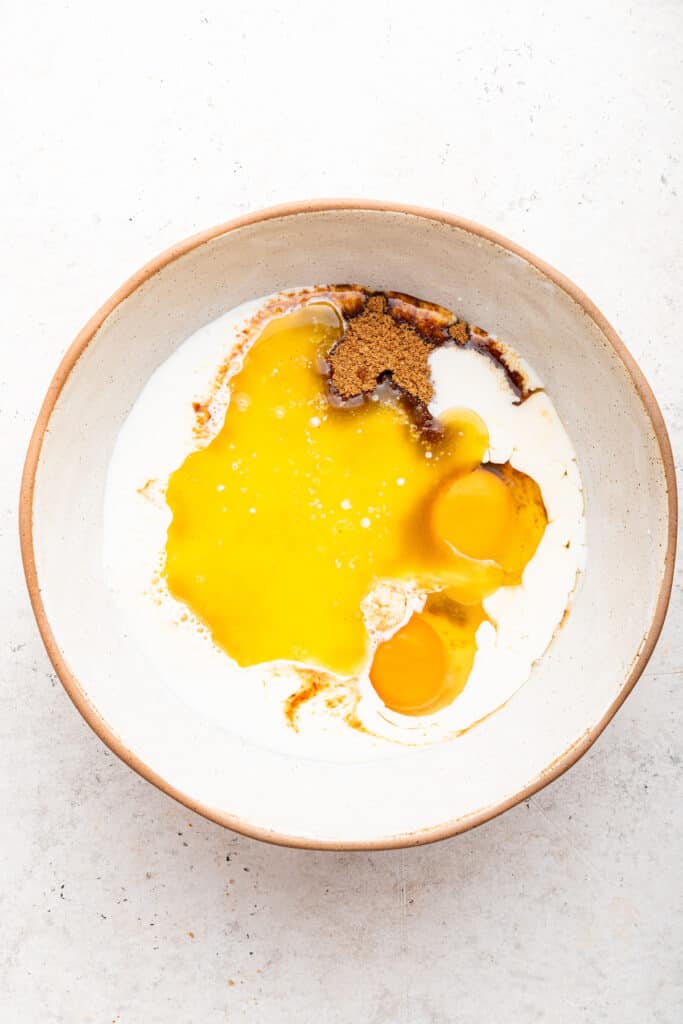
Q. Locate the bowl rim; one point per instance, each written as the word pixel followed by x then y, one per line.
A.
pixel 72 685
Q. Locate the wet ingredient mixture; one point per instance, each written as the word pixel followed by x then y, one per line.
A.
pixel 328 475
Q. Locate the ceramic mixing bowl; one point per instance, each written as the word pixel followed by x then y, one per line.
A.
pixel 411 796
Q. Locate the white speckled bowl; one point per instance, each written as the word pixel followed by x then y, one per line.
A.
pixel 413 797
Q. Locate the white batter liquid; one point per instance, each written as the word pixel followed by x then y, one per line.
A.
pixel 155 439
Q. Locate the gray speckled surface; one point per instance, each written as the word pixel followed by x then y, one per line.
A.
pixel 560 127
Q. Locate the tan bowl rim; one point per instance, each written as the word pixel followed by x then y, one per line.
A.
pixel 74 688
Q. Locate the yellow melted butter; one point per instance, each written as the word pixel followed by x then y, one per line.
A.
pixel 283 523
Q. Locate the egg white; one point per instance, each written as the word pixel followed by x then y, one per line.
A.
pixel 155 439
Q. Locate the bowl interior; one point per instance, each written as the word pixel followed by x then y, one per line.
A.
pixel 412 795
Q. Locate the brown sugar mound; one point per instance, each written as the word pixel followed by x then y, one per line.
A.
pixel 376 346
pixel 389 336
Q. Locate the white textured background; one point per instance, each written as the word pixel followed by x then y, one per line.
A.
pixel 123 128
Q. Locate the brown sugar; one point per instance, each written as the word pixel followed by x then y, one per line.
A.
pixel 377 346
pixel 389 337
pixel 459 332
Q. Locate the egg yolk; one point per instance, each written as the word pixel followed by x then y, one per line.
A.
pixel 287 518
pixel 472 514
pixel 425 664
pixel 409 670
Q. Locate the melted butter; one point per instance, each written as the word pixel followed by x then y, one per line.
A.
pixel 283 523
